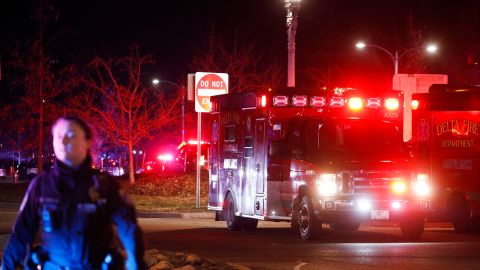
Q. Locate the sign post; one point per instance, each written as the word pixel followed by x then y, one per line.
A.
pixel 206 85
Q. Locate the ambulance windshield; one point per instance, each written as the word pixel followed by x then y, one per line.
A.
pixel 348 139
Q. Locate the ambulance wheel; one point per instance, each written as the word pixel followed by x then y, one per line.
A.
pixel 459 213
pixel 234 223
pixel 354 226
pixel 308 226
pixel 294 223
pixel 249 224
pixel 412 229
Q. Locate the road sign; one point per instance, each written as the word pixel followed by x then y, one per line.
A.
pixel 207 85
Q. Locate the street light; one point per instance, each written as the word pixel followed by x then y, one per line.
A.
pixel 292 7
pixel 430 48
pixel 156 81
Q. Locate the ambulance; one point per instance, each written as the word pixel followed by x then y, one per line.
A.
pixel 446 136
pixel 333 157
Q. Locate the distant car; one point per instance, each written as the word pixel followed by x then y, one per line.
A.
pixel 187 155
pixel 115 171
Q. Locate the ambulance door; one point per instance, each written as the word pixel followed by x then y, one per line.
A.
pixel 214 185
pixel 259 165
pixel 248 173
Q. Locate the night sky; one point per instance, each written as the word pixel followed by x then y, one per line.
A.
pixel 327 32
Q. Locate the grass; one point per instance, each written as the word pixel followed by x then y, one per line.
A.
pixel 167 204
pixel 151 192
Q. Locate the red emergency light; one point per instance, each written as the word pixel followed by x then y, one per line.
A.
pixel 165 157
pixel 392 104
pixel 263 101
pixel 355 103
pixel 195 142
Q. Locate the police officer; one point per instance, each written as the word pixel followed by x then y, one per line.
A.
pixel 66 218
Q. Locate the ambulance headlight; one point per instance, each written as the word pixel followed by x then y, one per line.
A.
pixel 421 185
pixel 326 184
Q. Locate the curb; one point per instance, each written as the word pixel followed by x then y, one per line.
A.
pixel 9 205
pixel 193 215
pixel 13 207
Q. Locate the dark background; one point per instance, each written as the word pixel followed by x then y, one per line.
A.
pixel 327 31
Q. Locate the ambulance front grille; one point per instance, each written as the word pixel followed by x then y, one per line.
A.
pixel 372 182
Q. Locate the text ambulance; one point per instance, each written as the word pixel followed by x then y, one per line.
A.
pixel 446 133
pixel 310 158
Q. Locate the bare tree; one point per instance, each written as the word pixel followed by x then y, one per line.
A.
pixel 240 60
pixel 37 77
pixel 415 60
pixel 120 105
pixel 16 132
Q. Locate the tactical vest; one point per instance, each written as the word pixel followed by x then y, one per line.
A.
pixel 75 228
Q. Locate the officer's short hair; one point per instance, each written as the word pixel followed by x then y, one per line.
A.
pixel 83 125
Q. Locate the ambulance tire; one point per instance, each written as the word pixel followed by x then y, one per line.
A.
pixel 459 213
pixel 412 228
pixel 464 226
pixel 294 223
pixel 234 223
pixel 308 225
pixel 249 224
pixel 354 226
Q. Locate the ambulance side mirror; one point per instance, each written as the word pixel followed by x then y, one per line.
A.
pixel 277 149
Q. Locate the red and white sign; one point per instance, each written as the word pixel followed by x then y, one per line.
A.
pixel 207 85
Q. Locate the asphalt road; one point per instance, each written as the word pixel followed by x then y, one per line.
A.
pixel 274 246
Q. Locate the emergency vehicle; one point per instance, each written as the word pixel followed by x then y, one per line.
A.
pixel 446 136
pixel 312 158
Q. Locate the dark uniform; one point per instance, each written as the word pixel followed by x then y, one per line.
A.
pixel 70 214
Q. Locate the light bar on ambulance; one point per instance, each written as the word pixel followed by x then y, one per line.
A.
pixel 280 101
pixel 392 104
pixel 355 103
pixel 316 101
pixel 337 102
pixel 374 103
pixel 299 101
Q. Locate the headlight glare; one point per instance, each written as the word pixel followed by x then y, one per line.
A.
pixel 421 185
pixel 326 184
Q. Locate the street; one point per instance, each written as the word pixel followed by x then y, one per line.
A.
pixel 274 246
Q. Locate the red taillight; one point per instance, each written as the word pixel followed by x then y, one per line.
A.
pixel 355 103
pixel 415 104
pixel 280 101
pixel 392 104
